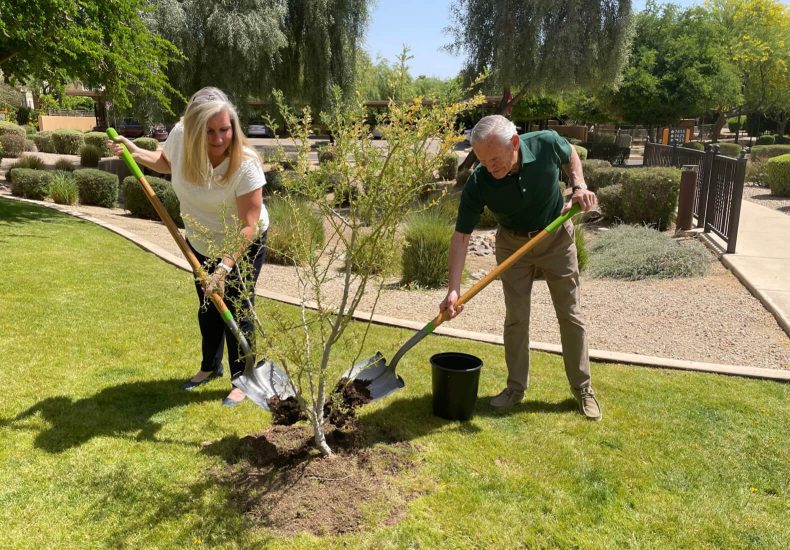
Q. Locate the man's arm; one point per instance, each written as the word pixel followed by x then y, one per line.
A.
pixel 458 246
pixel 581 195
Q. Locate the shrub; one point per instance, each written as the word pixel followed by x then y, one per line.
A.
pixel 603 139
pixel 426 250
pixel 29 183
pixel 29 161
pixel 96 187
pixel 766 139
pixel 574 141
pixel 582 256
pixel 98 139
pixel 650 196
pixel 63 188
pixel 634 252
pixel 757 172
pixel 611 202
pixel 368 258
pixel 136 201
pixel 11 128
pixel 149 144
pixel 487 219
pixel 696 145
pixel 463 175
pixel 779 175
pixel 30 131
pixel 67 142
pixel 326 154
pixel 448 169
pixel 730 149
pixel 734 125
pixel 44 142
pixel 581 151
pixel 605 151
pixel 604 177
pixel 13 144
pixel 90 155
pixel 1 150
pixel 65 165
pixel 765 152
pixel 30 145
pixel 595 164
pixel 294 232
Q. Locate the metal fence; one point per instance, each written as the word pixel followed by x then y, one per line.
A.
pixel 719 186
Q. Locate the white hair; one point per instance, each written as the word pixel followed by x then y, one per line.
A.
pixel 497 125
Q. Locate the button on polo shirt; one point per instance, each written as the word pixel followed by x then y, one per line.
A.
pixel 526 201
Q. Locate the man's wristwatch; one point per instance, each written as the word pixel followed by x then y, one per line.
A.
pixel 225 266
pixel 577 187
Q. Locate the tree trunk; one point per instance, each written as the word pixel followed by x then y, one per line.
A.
pixel 781 123
pixel 319 436
pixel 718 125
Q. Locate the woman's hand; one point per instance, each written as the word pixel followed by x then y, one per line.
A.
pixel 117 149
pixel 216 282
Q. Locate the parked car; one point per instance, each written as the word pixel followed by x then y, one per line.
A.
pixel 159 132
pixel 131 128
pixel 259 130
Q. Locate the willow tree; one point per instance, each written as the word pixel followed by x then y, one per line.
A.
pixel 541 46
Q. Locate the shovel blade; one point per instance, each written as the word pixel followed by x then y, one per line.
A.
pixel 262 382
pixel 382 378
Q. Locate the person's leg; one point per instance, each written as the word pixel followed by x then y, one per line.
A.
pixel 517 287
pixel 255 257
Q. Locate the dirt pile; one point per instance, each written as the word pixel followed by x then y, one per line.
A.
pixel 339 410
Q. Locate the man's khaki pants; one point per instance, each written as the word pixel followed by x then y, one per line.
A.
pixel 555 256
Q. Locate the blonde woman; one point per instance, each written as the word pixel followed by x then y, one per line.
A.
pixel 216 175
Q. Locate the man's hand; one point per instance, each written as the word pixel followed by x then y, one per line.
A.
pixel 584 198
pixel 449 304
pixel 216 283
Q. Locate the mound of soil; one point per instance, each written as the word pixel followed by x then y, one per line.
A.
pixel 339 410
pixel 280 481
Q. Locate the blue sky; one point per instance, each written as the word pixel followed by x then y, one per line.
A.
pixel 419 24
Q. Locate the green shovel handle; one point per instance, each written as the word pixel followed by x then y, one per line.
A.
pixel 126 155
pixel 575 209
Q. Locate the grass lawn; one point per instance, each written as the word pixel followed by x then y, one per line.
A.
pixel 100 448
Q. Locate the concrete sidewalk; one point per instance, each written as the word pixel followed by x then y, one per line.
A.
pixel 762 258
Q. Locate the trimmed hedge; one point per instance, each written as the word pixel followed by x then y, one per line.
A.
pixel 98 139
pixel 13 144
pixel 610 199
pixel 426 250
pixel 65 165
pixel 779 175
pixel 149 144
pixel 29 183
pixel 63 188
pixel 30 146
pixel 96 187
pixel 650 196
pixel 765 152
pixel 68 142
pixel 766 139
pixel 696 145
pixel 733 125
pixel 136 201
pixel 581 151
pixel 11 128
pixel 730 149
pixel 90 155
pixel 604 177
pixel 44 142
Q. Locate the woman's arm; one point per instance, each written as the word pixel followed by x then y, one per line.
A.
pixel 155 160
pixel 248 207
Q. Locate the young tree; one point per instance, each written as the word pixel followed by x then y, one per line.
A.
pixel 362 196
pixel 541 45
pixel 105 44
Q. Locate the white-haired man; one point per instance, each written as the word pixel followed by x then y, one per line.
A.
pixel 517 179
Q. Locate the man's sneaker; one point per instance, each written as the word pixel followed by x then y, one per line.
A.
pixel 507 398
pixel 588 404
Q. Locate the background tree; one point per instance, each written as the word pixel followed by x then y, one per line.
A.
pixel 105 44
pixel 541 46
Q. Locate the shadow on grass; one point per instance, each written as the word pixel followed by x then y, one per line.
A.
pixel 12 212
pixel 124 411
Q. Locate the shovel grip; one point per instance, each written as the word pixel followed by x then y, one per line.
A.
pixel 126 156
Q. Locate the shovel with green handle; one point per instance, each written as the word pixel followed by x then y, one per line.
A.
pixel 259 382
pixel 380 376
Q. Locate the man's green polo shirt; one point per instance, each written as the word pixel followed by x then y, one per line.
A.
pixel 527 201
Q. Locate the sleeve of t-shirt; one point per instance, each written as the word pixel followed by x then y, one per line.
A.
pixel 173 143
pixel 562 149
pixel 251 177
pixel 470 207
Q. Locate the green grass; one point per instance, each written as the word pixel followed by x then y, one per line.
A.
pixel 100 448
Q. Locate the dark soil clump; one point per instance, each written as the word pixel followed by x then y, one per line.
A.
pixel 285 411
pixel 280 481
pixel 339 410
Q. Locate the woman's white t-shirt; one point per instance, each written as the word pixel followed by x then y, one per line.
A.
pixel 208 209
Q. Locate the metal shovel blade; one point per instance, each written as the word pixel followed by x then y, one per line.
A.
pixel 263 382
pixel 380 376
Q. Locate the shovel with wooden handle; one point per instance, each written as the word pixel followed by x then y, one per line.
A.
pixel 380 375
pixel 259 382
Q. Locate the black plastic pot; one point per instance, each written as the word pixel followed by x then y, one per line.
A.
pixel 455 379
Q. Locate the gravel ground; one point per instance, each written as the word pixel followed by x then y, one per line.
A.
pixel 763 197
pixel 712 318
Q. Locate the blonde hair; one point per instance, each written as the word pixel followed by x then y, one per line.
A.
pixel 204 104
